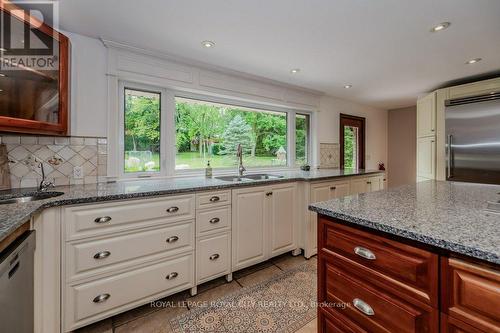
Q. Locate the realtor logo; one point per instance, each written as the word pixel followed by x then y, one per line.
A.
pixel 26 41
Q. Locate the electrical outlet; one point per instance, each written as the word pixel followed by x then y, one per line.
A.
pixel 77 172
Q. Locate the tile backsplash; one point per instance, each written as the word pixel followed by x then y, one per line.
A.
pixel 329 155
pixel 59 155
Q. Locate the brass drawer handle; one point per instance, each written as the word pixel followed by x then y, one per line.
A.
pixel 103 219
pixel 364 253
pixel 214 220
pixel 172 275
pixel 102 255
pixel 173 209
pixel 363 307
pixel 333 188
pixel 172 239
pixel 214 198
pixel 101 298
pixel 214 256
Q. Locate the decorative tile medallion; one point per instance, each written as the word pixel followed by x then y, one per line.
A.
pixel 329 155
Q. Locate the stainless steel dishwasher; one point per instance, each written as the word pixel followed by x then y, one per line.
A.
pixel 16 285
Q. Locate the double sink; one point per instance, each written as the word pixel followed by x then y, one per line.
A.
pixel 259 176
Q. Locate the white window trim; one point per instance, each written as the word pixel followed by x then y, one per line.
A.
pixel 167 132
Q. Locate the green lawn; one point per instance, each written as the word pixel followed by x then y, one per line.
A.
pixel 192 160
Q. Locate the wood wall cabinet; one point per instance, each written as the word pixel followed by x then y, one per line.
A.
pixel 34 99
pixel 264 223
pixel 394 286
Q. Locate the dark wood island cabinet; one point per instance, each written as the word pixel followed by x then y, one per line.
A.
pixel 373 282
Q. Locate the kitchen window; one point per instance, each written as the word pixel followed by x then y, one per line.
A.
pixel 207 131
pixel 167 133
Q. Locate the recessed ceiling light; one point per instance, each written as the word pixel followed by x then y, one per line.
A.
pixel 440 27
pixel 1 90
pixel 295 70
pixel 473 61
pixel 208 44
pixel 348 86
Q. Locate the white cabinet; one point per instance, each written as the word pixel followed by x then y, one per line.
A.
pixel 426 137
pixel 426 115
pixel 263 223
pixel 426 158
pixel 282 217
pixel 359 185
pixel 375 183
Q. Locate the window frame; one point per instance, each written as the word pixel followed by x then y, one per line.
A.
pixel 122 86
pixel 345 119
pixel 168 131
pixel 308 148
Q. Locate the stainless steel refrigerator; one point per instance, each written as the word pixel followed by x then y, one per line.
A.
pixel 473 139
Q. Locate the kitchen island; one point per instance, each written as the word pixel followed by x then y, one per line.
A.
pixel 418 258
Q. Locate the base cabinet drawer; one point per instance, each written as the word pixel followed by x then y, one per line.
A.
pixel 213 257
pixel 88 302
pixel 414 269
pixel 213 220
pixel 88 256
pixel 94 220
pixel 332 322
pixel 471 294
pixel 213 199
pixel 374 309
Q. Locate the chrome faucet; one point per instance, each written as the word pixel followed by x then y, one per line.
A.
pixel 44 184
pixel 239 155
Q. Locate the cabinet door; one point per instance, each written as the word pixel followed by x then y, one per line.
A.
pixel 340 189
pixel 375 183
pixel 249 226
pixel 282 218
pixel 426 115
pixel 359 185
pixel 426 158
pixel 319 192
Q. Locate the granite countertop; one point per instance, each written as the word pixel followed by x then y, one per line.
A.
pixel 446 215
pixel 14 215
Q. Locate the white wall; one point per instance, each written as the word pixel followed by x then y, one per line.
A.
pixel 376 127
pixel 88 115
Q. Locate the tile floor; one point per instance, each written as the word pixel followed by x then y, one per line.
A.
pixel 148 319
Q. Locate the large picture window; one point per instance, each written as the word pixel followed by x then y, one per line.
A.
pixel 207 131
pixel 167 133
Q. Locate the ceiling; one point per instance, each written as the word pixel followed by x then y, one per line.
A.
pixel 384 48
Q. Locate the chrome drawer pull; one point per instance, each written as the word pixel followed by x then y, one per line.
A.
pixel 172 275
pixel 101 298
pixel 214 198
pixel 364 253
pixel 214 220
pixel 172 239
pixel 102 255
pixel 173 209
pixel 214 256
pixel 103 219
pixel 363 307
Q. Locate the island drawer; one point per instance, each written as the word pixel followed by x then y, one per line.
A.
pixel 99 219
pixel 471 294
pixel 86 257
pixel 213 220
pixel 452 325
pixel 373 309
pixel 409 265
pixel 90 301
pixel 333 322
pixel 213 199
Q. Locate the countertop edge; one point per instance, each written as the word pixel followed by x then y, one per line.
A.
pixel 417 237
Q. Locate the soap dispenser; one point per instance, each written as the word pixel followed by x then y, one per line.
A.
pixel 208 170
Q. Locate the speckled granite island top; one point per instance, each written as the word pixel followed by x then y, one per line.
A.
pixel 14 215
pixel 448 215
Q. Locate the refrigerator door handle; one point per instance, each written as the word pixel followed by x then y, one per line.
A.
pixel 449 156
